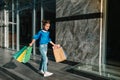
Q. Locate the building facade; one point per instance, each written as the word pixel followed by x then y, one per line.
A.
pixel 79 26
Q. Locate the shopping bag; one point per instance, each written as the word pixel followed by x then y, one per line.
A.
pixel 27 56
pixel 20 58
pixel 59 54
pixel 18 53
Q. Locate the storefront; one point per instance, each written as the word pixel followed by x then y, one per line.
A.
pixel 20 20
pixel 81 27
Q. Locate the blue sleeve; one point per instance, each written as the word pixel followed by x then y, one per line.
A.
pixel 37 36
pixel 49 39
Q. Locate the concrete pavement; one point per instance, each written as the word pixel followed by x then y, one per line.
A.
pixel 10 69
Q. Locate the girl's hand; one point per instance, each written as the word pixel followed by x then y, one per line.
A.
pixel 56 46
pixel 30 44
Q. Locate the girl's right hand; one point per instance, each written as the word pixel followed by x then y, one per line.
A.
pixel 30 44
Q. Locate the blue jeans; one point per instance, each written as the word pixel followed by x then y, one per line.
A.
pixel 44 58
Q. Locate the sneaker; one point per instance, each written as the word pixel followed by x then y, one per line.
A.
pixel 46 74
pixel 41 72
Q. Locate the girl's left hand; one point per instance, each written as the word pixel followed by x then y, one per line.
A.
pixel 56 46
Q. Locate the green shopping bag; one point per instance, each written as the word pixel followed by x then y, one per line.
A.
pixel 27 56
pixel 18 53
pixel 20 58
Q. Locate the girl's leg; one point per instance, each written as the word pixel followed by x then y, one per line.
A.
pixel 44 59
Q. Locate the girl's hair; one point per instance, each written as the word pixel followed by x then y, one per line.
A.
pixel 45 22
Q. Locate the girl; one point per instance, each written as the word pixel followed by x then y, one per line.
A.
pixel 43 36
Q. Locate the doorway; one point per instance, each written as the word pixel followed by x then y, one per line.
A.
pixel 113 31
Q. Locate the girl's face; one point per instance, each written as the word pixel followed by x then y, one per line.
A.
pixel 47 26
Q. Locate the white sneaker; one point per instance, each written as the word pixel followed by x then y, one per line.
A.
pixel 41 72
pixel 46 74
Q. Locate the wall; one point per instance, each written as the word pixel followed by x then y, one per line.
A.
pixel 78 29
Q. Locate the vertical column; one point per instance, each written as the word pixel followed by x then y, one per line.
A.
pixel 1 28
pixel 0 36
pixel 101 37
pixel 6 30
pixel 13 38
pixel 42 12
pixel 102 53
pixel 7 26
pixel 34 24
pixel 2 17
pixel 17 23
pixel 104 34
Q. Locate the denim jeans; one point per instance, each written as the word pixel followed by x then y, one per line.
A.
pixel 44 58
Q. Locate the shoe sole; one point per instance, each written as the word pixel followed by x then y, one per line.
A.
pixel 48 75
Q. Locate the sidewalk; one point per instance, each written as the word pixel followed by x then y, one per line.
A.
pixel 19 71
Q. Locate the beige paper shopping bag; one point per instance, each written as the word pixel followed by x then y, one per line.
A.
pixel 59 54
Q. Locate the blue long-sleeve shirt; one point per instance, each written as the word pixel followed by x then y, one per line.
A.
pixel 43 37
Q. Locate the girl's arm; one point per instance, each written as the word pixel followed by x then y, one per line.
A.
pixel 33 41
pixel 52 43
pixel 55 45
pixel 35 37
